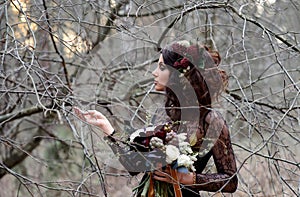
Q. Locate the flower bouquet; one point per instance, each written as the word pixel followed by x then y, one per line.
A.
pixel 178 155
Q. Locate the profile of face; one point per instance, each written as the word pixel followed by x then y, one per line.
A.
pixel 161 75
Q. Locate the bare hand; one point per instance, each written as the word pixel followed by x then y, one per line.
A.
pixel 165 176
pixel 95 118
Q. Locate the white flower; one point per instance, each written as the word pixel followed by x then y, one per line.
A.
pixel 170 135
pixel 193 157
pixel 181 137
pixel 184 160
pixel 172 153
pixel 156 142
pixel 193 168
pixel 185 148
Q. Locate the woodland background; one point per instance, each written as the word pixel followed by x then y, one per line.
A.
pixel 99 54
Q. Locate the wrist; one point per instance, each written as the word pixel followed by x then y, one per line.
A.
pixel 109 130
pixel 188 178
pixel 112 133
pixel 109 136
pixel 194 178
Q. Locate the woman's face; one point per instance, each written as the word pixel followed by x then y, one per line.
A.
pixel 161 75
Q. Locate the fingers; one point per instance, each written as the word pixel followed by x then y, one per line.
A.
pixel 159 165
pixel 92 112
pixel 96 114
pixel 80 113
pixel 88 115
pixel 91 116
pixel 92 119
pixel 160 176
pixel 163 175
pixel 95 118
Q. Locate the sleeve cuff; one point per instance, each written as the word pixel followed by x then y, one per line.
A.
pixel 110 137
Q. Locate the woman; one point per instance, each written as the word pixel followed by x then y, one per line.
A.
pixel 190 77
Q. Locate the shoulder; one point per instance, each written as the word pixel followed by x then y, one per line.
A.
pixel 215 122
pixel 214 116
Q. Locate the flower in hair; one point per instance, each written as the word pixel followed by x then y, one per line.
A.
pixel 181 65
pixel 192 55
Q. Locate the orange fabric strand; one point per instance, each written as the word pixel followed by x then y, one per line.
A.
pixel 151 187
pixel 176 185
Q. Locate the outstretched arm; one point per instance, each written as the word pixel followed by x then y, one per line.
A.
pixel 131 158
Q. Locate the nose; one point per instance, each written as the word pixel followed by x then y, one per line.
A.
pixel 154 73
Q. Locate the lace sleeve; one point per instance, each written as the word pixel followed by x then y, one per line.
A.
pixel 225 179
pixel 133 158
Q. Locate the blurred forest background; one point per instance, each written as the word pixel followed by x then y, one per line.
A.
pixel 99 54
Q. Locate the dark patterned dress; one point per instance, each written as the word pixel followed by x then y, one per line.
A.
pixel 213 140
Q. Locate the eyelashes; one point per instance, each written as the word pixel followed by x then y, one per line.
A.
pixel 162 66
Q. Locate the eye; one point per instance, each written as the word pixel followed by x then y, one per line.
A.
pixel 162 66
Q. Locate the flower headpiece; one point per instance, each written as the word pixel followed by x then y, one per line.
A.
pixel 190 56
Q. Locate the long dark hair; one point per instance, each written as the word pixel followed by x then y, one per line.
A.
pixel 196 67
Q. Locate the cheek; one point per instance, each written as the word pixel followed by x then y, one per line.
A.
pixel 166 76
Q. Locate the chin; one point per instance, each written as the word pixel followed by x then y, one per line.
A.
pixel 159 89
